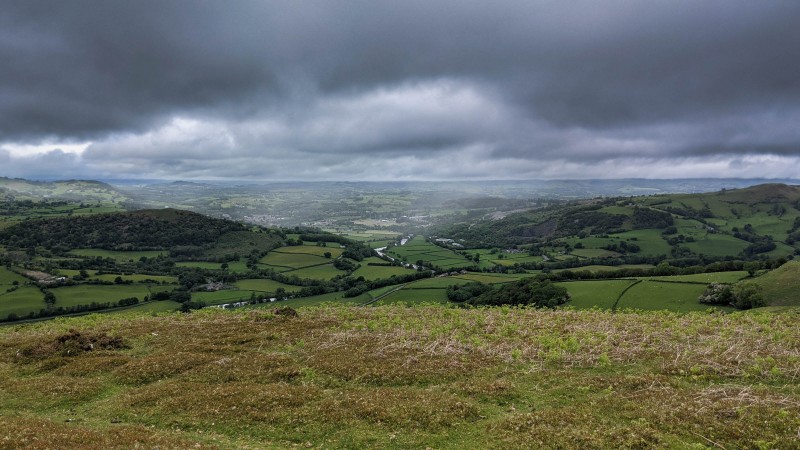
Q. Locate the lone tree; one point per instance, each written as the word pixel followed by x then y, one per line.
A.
pixel 742 295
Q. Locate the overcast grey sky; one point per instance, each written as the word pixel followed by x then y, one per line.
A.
pixel 372 90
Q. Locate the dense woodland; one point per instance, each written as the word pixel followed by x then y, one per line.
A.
pixel 138 230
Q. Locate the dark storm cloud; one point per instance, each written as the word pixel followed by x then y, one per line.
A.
pixel 445 88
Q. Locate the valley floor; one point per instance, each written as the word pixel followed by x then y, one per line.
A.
pixel 398 377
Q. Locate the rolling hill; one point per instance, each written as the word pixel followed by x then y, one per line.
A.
pixel 71 190
pixel 781 287
pixel 757 222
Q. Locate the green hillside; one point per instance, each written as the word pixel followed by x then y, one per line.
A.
pixel 752 223
pixel 781 287
pixel 72 190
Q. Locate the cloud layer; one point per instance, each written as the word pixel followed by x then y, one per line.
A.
pixel 286 90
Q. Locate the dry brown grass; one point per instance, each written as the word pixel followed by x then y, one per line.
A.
pixel 35 433
pixel 410 377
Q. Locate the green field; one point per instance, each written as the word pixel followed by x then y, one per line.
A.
pixel 593 253
pixel 261 285
pixel 649 241
pixel 233 266
pixel 117 255
pixel 318 272
pixel 718 245
pixel 599 268
pixel 155 306
pixel 337 298
pixel 222 296
pixel 508 262
pixel 378 237
pixel 136 278
pixel 312 249
pixel 293 260
pixel 20 301
pixel 378 272
pixel 414 296
pixel 438 282
pixel 7 277
pixel 712 277
pixel 595 294
pixel 489 278
pixel 418 249
pixel 86 294
pixel 503 258
pixel 200 265
pixel 655 295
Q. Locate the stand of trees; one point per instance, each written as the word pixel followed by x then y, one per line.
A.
pixel 527 292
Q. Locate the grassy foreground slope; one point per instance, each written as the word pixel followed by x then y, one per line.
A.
pixel 403 378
